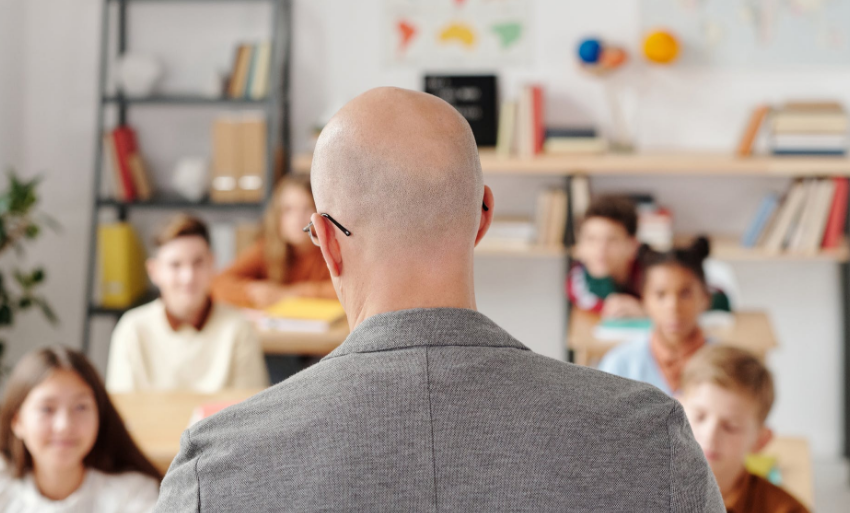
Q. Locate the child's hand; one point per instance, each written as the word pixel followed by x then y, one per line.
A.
pixel 622 305
pixel 264 294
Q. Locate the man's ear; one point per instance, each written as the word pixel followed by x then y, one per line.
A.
pixel 764 438
pixel 329 244
pixel 486 214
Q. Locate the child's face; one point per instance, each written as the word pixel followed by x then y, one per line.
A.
pixel 296 208
pixel 605 247
pixel 58 421
pixel 183 270
pixel 674 299
pixel 726 425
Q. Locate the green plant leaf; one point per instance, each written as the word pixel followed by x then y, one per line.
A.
pixel 37 275
pixel 24 303
pixel 46 310
pixel 31 231
pixel 6 316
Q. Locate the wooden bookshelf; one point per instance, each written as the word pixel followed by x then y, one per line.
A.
pixel 685 164
pixel 723 247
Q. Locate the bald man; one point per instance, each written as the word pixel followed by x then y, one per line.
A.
pixel 428 405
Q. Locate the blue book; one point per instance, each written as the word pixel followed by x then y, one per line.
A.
pixel 766 209
pixel 581 133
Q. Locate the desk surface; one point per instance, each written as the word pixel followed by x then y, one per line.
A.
pixel 307 344
pixel 751 331
pixel 157 419
pixel 795 465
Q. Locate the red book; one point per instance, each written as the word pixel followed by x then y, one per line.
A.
pixel 123 137
pixel 537 121
pixel 837 214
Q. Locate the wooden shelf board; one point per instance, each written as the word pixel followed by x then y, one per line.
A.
pixel 684 164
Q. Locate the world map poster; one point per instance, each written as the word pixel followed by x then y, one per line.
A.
pixel 457 33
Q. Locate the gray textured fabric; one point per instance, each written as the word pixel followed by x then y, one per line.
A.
pixel 441 410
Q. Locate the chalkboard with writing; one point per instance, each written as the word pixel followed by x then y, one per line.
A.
pixel 474 96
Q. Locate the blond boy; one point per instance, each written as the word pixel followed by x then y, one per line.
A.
pixel 727 394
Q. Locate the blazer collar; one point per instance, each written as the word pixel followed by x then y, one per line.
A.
pixel 425 327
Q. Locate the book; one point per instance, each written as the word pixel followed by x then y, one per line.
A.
pixel 116 178
pixel 543 218
pixel 249 74
pixel 538 121
pixel 138 170
pixel 765 210
pixel 797 233
pixel 308 315
pixel 809 153
pixel 571 133
pixel 558 218
pixel 507 123
pixel 809 122
pixel 123 150
pixel 122 266
pixel 786 216
pixel 745 147
pixel 510 233
pixel 226 160
pixel 566 146
pixel 813 237
pixel 655 228
pixel 618 329
pixel 525 141
pixel 836 223
pixel 804 141
pixel 260 74
pixel 253 152
pixel 239 75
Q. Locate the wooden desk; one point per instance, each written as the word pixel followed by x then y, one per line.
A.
pixel 751 331
pixel 157 419
pixel 795 465
pixel 307 344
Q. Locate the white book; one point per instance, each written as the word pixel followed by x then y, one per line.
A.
pixel 789 210
pixel 507 126
pixel 820 216
pixel 799 227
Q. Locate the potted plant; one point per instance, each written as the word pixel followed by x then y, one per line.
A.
pixel 20 222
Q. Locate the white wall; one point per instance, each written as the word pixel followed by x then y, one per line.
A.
pixel 48 84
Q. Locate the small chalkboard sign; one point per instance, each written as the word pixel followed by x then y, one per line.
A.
pixel 474 96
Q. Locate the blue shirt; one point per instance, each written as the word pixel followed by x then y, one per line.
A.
pixel 634 360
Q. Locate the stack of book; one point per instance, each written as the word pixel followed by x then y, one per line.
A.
pixel 249 75
pixel 521 124
pixel 571 141
pixel 239 158
pixel 655 224
pixel 551 220
pixel 129 177
pixel 303 315
pixel 811 216
pixel 809 128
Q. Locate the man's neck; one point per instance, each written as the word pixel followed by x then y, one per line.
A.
pixel 59 484
pixel 404 287
pixel 623 275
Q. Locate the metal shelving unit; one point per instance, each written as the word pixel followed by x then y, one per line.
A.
pixel 276 107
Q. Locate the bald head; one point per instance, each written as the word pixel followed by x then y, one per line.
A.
pixel 400 169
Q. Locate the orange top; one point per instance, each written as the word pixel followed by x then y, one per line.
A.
pixel 754 494
pixel 308 270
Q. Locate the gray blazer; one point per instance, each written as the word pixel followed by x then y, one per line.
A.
pixel 442 410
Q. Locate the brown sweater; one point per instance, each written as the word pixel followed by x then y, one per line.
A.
pixel 758 495
pixel 308 272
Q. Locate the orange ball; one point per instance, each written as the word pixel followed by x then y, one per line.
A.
pixel 661 47
pixel 613 58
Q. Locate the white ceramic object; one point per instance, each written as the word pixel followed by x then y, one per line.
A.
pixel 191 178
pixel 138 74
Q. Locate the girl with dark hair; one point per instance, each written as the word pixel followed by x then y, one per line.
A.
pixel 64 447
pixel 674 295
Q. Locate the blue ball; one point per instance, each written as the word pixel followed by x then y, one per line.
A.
pixel 590 50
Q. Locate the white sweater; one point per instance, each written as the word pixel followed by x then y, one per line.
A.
pixel 130 492
pixel 147 354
